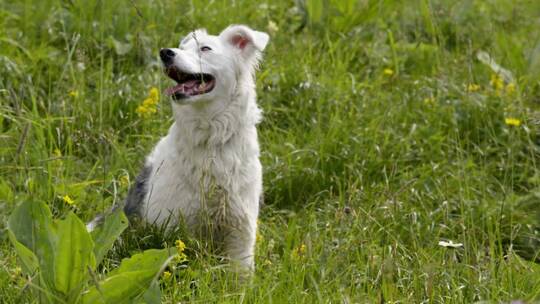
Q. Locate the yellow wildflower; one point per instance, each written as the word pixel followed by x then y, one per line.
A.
pixel 510 88
pixel 473 87
pixel 267 262
pixel 429 100
pixel 124 180
pixel 74 93
pixel 166 275
pixel 57 152
pixel 16 274
pixel 154 94
pixel 180 258
pixel 497 83
pixel 149 102
pixel 302 249
pixel 68 200
pixel 512 121
pixel 388 72
pixel 148 106
pixel 272 27
pixel 180 246
pixel 299 251
pixel 145 111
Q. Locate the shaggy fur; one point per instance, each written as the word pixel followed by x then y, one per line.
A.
pixel 206 172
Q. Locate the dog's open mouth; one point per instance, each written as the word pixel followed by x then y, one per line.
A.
pixel 189 84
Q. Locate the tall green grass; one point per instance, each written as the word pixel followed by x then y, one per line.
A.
pixel 373 144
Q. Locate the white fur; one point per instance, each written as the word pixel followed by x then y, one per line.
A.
pixel 207 170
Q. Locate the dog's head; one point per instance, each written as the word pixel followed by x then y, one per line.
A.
pixel 207 67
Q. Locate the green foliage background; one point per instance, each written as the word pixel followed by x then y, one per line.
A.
pixel 367 169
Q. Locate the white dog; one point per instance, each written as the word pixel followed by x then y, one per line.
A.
pixel 206 171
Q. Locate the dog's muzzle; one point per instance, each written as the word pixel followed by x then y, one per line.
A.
pixel 167 56
pixel 188 84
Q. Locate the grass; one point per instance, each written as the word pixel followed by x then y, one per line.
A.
pixel 375 145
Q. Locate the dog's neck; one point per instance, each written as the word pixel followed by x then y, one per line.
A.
pixel 216 123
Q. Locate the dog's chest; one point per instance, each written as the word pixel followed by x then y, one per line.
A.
pixel 199 179
pixel 211 168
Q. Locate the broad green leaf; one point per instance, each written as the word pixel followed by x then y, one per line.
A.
pixel 28 258
pixel 104 235
pixel 31 224
pixel 120 288
pixel 152 259
pixel 73 254
pixel 152 295
pixel 129 281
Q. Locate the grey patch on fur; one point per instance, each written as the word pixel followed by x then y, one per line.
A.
pixel 98 220
pixel 132 204
pixel 134 200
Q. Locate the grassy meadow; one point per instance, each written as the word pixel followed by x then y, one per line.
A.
pixel 389 127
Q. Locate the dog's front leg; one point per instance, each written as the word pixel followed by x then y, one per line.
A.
pixel 239 244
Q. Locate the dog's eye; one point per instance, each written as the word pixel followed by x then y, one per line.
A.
pixel 205 48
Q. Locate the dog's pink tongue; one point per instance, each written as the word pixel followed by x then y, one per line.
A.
pixel 177 88
pixel 186 88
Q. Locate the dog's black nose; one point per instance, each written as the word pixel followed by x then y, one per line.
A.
pixel 166 55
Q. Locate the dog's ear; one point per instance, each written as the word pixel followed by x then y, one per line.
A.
pixel 245 39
